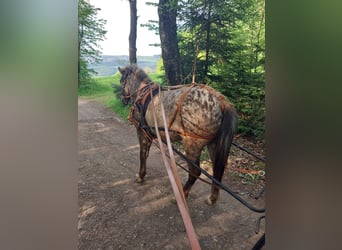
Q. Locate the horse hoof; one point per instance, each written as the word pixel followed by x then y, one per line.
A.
pixel 210 201
pixel 139 179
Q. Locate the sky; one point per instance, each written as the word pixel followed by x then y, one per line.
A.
pixel 117 14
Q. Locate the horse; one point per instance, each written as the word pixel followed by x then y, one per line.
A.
pixel 197 116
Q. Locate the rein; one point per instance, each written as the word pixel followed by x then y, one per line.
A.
pixel 143 88
pixel 175 181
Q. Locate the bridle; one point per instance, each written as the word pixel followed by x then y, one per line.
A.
pixel 123 87
pixel 143 88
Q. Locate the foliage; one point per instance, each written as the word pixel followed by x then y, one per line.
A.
pixel 250 103
pixel 90 31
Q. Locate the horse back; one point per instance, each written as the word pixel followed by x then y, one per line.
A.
pixel 193 109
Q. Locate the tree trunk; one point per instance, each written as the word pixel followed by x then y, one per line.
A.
pixel 167 11
pixel 133 32
pixel 207 46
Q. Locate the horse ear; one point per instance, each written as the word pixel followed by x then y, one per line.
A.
pixel 121 70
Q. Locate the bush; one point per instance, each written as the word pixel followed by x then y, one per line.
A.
pixel 250 104
pixel 249 101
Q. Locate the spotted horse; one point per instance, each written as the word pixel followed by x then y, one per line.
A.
pixel 197 116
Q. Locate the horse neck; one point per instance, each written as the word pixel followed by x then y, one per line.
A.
pixel 139 87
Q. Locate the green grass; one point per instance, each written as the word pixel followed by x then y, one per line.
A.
pixel 106 90
pixel 102 89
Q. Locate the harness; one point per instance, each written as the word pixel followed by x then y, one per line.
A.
pixel 144 97
pixel 141 104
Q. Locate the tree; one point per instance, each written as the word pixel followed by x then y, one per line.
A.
pixel 90 30
pixel 133 32
pixel 167 12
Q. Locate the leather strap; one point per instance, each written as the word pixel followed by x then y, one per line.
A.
pixel 175 181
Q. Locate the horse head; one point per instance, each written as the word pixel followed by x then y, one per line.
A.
pixel 131 78
pixel 125 83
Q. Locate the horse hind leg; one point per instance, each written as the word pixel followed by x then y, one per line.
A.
pixel 145 145
pixel 217 173
pixel 193 152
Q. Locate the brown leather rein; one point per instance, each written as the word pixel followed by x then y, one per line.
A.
pixel 175 180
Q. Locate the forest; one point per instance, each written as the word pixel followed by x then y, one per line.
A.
pixel 220 43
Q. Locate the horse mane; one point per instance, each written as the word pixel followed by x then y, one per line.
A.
pixel 139 73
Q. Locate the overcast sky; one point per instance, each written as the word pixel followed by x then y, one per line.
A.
pixel 117 14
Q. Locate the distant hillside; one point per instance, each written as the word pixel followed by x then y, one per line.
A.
pixel 109 64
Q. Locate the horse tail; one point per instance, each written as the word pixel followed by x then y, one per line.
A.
pixel 224 138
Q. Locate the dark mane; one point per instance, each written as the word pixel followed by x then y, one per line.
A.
pixel 139 73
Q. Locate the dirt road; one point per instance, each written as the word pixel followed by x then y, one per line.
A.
pixel 117 213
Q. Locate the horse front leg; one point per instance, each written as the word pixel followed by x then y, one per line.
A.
pixel 145 145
